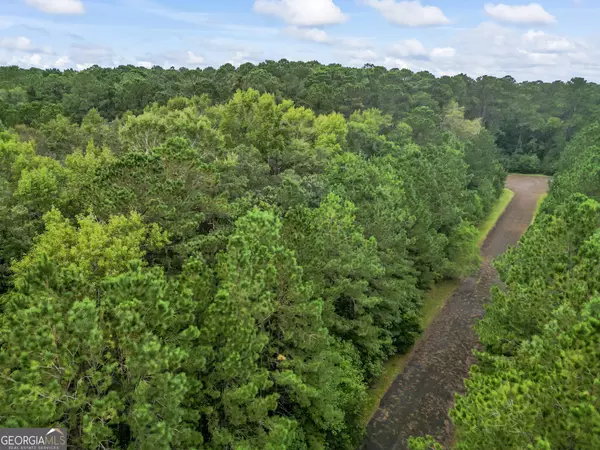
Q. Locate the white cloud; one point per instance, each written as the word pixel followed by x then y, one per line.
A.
pixel 443 52
pixel 413 50
pixel 308 34
pixel 322 37
pixel 25 60
pixel 241 57
pixel 542 42
pixel 397 63
pixel 356 58
pixel 34 59
pixel 192 58
pixel 58 6
pixel 447 73
pixel 531 13
pixel 18 43
pixel 533 35
pixel 408 48
pixel 409 13
pixel 21 44
pixel 493 49
pixel 63 61
pixel 305 13
pixel 546 59
pixel 146 64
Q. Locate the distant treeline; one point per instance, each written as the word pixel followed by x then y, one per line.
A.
pixel 531 121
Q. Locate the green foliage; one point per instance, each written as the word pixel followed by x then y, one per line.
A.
pixel 579 168
pixel 545 396
pixel 341 262
pixel 423 443
pixel 548 268
pixel 85 336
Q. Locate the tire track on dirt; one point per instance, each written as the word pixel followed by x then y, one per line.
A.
pixel 418 401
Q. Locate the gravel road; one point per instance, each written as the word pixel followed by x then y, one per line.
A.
pixel 418 401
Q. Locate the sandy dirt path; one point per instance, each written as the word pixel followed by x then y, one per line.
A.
pixel 419 399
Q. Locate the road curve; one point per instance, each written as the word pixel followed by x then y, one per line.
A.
pixel 418 401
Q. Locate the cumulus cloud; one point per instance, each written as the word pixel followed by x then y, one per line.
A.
pixel 533 13
pixel 493 49
pixel 58 6
pixel 412 49
pixel 409 13
pixel 26 60
pixel 442 53
pixel 308 34
pixel 322 37
pixel 408 48
pixel 396 63
pixel 357 57
pixel 146 64
pixel 543 43
pixel 240 57
pixel 192 58
pixel 63 61
pixel 20 43
pixel 546 59
pixel 305 13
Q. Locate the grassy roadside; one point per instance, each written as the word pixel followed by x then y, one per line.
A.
pixel 432 304
pixel 494 215
pixel 530 174
pixel 539 204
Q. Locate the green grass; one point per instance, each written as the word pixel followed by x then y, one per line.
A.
pixel 494 215
pixel 530 174
pixel 436 298
pixel 433 302
pixel 539 203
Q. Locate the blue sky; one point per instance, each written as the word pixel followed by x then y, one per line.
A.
pixel 551 39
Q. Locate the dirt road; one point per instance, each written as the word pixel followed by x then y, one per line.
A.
pixel 418 401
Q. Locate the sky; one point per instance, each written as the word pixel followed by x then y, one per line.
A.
pixel 546 40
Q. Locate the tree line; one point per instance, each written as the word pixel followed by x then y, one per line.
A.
pixel 536 382
pixel 531 121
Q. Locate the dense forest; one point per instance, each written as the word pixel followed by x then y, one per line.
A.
pixel 530 121
pixel 224 258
